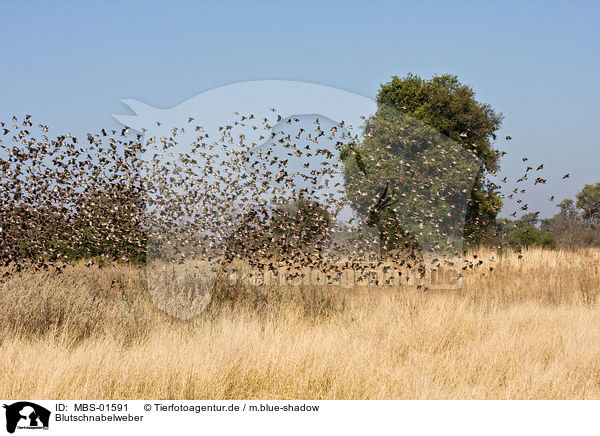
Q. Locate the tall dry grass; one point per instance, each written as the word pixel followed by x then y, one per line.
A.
pixel 528 329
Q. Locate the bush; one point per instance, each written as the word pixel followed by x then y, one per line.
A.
pixel 528 236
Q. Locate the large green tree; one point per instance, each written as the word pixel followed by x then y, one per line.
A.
pixel 449 108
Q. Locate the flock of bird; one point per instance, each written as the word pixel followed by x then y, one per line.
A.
pixel 273 202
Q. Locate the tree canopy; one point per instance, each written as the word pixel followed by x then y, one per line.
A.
pixel 588 200
pixel 426 136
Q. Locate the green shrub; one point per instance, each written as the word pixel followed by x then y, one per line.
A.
pixel 531 236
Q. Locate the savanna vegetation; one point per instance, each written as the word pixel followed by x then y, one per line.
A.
pixel 83 222
pixel 526 330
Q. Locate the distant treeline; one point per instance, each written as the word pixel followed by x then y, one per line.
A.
pixel 577 224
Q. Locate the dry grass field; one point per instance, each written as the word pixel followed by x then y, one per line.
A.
pixel 526 330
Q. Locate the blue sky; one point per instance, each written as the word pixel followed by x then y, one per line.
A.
pixel 70 63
